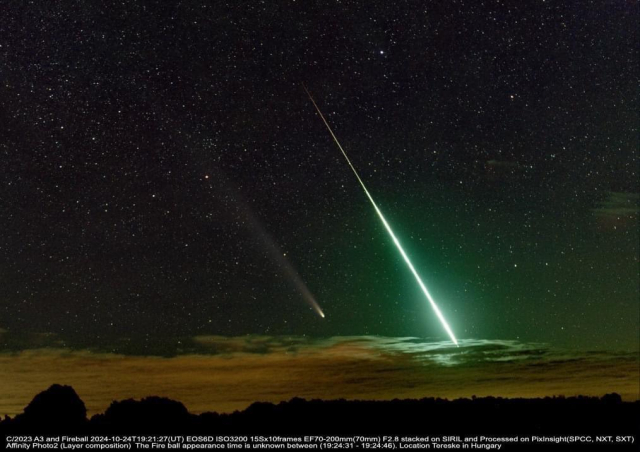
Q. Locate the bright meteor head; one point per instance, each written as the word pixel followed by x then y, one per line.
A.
pixel 388 228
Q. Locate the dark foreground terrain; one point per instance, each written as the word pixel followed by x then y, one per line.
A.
pixel 59 410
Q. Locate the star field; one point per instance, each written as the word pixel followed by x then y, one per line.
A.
pixel 498 138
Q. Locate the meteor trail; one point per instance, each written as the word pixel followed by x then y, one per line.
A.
pixel 387 227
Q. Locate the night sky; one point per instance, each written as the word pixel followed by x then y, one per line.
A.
pixel 156 155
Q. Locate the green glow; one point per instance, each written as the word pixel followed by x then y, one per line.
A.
pixel 389 230
pixel 413 270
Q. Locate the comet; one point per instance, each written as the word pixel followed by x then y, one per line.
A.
pixel 433 304
pixel 254 225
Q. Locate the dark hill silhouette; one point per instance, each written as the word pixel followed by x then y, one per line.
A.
pixel 160 412
pixel 57 407
pixel 60 409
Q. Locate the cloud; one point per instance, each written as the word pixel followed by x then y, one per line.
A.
pixel 373 347
pixel 619 204
pixel 229 373
pixel 253 344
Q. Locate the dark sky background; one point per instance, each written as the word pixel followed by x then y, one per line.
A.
pixel 137 139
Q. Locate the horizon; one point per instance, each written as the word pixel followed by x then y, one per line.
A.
pixel 150 399
pixel 224 374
